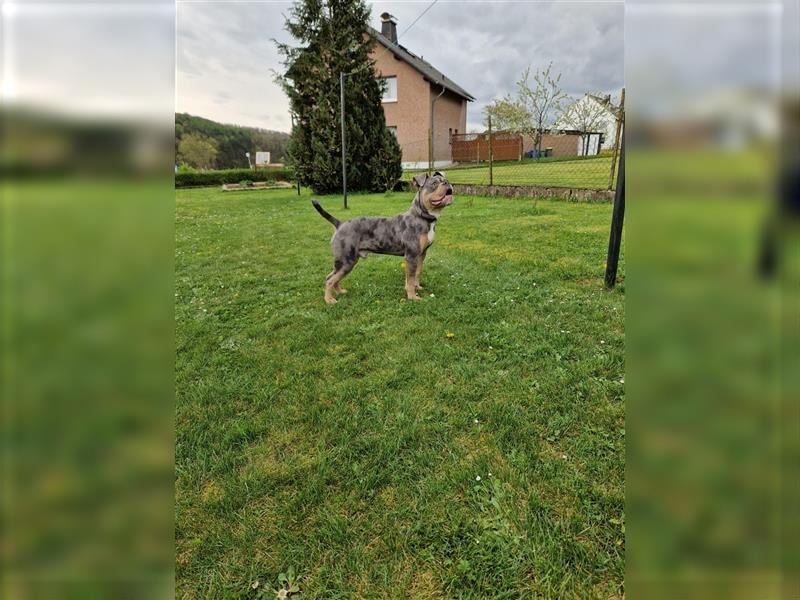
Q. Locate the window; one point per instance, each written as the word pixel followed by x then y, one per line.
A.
pixel 390 91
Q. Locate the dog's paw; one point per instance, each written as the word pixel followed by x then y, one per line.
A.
pixel 414 297
pixel 330 301
pixel 341 291
pixel 419 287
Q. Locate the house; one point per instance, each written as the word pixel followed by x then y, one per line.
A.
pixel 417 94
pixel 596 118
pixel 564 142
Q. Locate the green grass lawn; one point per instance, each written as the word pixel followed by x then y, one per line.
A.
pixel 583 173
pixel 470 445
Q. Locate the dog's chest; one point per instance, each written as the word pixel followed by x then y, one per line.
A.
pixel 431 233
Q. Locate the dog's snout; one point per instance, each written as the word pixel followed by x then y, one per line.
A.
pixel 449 190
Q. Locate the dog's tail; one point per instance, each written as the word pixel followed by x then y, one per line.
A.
pixel 326 215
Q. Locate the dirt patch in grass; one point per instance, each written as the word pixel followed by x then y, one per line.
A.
pixel 425 586
pixel 211 492
pixel 283 454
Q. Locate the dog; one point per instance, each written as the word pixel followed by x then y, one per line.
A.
pixel 408 235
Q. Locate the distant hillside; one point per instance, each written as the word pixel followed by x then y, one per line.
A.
pixel 232 140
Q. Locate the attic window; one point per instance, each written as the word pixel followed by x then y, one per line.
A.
pixel 390 91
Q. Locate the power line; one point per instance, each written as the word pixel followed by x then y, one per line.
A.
pixel 414 22
pixel 341 91
pixel 405 31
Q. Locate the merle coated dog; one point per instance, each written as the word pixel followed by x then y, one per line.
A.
pixel 408 235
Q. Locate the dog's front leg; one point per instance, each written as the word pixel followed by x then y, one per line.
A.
pixel 418 284
pixel 411 276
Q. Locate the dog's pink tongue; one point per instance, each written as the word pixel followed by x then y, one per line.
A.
pixel 447 200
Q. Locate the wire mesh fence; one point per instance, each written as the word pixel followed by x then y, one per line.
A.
pixel 582 160
pixel 505 160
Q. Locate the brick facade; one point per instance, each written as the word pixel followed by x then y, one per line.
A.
pixel 410 114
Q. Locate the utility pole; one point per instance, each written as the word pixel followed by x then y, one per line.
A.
pixel 344 150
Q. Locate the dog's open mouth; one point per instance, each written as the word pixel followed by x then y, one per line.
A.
pixel 445 200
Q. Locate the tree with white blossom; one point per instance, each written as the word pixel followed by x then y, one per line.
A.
pixel 538 100
pixel 585 116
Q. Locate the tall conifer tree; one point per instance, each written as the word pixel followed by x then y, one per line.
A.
pixel 332 36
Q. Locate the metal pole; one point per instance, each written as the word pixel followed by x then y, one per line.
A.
pixel 491 152
pixel 617 218
pixel 296 175
pixel 430 139
pixel 430 151
pixel 620 119
pixel 344 150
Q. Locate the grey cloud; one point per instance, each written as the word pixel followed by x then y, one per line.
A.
pixel 494 42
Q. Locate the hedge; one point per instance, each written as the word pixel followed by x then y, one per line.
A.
pixel 208 178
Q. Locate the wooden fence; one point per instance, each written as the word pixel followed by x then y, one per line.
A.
pixel 471 147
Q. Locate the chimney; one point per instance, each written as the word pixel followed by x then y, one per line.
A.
pixel 389 27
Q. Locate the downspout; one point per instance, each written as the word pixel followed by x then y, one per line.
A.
pixel 430 145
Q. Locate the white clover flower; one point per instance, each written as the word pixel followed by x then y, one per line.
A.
pixel 478 478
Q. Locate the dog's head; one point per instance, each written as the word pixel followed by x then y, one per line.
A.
pixel 435 192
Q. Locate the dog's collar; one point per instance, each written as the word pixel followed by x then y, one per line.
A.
pixel 424 214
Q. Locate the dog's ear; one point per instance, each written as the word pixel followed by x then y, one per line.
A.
pixel 440 173
pixel 419 180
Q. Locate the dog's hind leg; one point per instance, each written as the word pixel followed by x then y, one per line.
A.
pixel 332 281
pixel 337 288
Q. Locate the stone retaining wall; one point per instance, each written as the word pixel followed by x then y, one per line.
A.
pixel 512 191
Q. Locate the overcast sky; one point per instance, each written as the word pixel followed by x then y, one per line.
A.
pixel 115 59
pixel 225 53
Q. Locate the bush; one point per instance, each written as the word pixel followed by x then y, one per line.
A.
pixel 209 178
